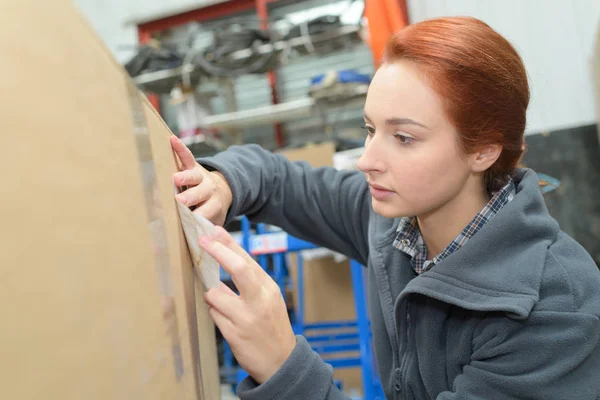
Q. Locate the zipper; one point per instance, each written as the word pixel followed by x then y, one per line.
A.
pixel 388 306
pixel 399 376
pixel 408 352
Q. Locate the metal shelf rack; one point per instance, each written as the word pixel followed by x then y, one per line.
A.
pixel 326 338
pixel 187 71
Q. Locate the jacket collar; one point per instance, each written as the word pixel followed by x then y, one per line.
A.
pixel 500 268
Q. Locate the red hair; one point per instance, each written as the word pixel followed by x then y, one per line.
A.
pixel 481 79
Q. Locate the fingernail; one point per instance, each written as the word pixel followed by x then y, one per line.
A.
pixel 182 200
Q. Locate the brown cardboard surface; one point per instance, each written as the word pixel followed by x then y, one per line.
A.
pixel 317 155
pixel 328 290
pixel 81 310
pixel 325 281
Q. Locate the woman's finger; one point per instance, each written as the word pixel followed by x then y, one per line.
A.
pixel 226 289
pixel 225 237
pixel 241 271
pixel 228 241
pixel 223 323
pixel 184 154
pixel 229 305
pixel 188 177
pixel 195 195
pixel 210 209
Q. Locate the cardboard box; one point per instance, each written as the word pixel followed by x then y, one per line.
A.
pixel 326 281
pixel 87 311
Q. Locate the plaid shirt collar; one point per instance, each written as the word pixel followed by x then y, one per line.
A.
pixel 409 239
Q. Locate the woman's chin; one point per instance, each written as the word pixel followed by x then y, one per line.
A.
pixel 389 209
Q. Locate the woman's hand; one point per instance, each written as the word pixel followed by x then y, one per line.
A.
pixel 255 323
pixel 207 190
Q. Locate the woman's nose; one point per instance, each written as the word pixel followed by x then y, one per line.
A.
pixel 371 159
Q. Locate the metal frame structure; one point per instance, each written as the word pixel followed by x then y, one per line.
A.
pixel 385 17
pixel 326 338
pixel 215 11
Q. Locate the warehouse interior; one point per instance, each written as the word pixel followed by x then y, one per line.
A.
pixel 563 97
pixel 291 76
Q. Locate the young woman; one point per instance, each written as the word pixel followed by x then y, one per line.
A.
pixel 474 291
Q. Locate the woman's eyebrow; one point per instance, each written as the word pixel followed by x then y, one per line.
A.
pixel 399 121
pixel 403 121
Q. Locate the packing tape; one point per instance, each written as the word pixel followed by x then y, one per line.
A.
pixel 156 223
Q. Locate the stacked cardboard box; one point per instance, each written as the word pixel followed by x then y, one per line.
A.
pixel 89 310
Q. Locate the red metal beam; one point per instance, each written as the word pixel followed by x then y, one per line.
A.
pixel 385 17
pixel 262 10
pixel 201 14
pixel 144 36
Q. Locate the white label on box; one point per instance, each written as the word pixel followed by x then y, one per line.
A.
pixel 269 243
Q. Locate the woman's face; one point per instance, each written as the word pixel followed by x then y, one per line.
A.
pixel 411 160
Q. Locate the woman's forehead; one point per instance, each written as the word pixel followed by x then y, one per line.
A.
pixel 398 91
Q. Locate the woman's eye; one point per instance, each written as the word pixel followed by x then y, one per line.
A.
pixel 403 139
pixel 370 130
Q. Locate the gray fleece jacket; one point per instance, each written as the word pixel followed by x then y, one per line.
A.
pixel 514 314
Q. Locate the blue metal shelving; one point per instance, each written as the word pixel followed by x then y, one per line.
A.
pixel 327 338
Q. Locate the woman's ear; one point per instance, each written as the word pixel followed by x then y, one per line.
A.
pixel 485 157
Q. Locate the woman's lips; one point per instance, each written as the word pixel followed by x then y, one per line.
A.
pixel 379 192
